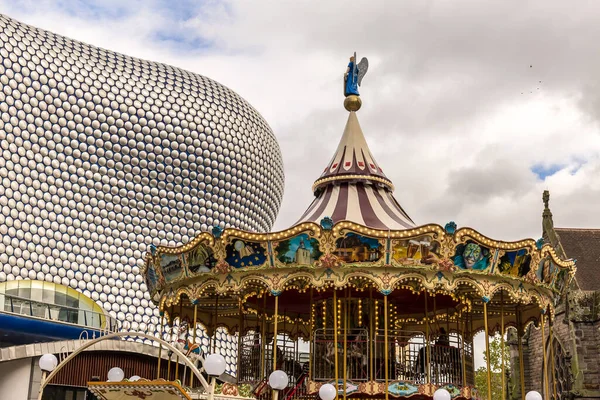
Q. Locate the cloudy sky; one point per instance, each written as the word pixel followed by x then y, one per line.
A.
pixel 472 108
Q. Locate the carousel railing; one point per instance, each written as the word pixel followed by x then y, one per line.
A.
pixel 255 366
pixel 446 360
pixel 357 355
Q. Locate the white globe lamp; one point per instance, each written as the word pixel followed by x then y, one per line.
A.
pixel 214 365
pixel 116 374
pixel 442 394
pixel 48 362
pixel 134 378
pixel 327 392
pixel 533 395
pixel 278 380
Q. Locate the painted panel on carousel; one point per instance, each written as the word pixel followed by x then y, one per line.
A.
pixel 241 254
pixel 354 248
pixel 171 267
pixel 403 389
pixel 546 271
pixel 515 263
pixel 299 250
pixel 421 250
pixel 200 259
pixel 472 255
pixel 151 277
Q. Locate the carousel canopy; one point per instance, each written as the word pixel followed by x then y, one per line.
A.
pixel 354 188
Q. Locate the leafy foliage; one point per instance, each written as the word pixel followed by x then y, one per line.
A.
pixel 495 358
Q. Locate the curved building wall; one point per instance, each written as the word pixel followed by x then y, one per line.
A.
pixel 102 154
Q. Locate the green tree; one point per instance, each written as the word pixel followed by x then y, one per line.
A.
pixel 496 368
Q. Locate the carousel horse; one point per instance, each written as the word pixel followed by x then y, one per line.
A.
pixel 193 351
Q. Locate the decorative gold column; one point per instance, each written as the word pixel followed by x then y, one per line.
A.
pixel 371 335
pixel 310 336
pixel 385 338
pixel 520 342
pixel 335 341
pixel 427 344
pixel 214 338
pixel 162 330
pixel 195 302
pixel 544 359
pixel 240 333
pixel 263 337
pixel 502 342
pixel 275 322
pixel 487 349
pixel 346 306
pixel 550 325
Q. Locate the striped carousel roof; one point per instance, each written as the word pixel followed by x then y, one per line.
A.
pixel 354 188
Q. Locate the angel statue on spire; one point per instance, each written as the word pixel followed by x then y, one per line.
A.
pixel 354 75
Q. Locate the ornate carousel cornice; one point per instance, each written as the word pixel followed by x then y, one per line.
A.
pixel 387 270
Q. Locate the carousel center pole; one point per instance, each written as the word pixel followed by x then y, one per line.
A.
pixel 335 340
pixel 487 350
pixel 385 350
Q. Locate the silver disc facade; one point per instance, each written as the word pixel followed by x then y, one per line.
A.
pixel 102 154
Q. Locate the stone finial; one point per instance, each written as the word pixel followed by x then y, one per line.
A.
pixel 546 198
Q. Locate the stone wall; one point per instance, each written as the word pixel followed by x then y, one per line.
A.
pixel 576 329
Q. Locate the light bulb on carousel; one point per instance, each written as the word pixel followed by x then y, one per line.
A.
pixel 327 392
pixel 115 374
pixel 442 394
pixel 278 380
pixel 533 395
pixel 214 365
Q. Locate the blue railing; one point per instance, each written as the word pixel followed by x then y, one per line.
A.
pixel 60 313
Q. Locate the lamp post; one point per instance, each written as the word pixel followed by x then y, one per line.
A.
pixel 214 365
pixel 533 395
pixel 278 380
pixel 442 394
pixel 47 363
pixel 327 392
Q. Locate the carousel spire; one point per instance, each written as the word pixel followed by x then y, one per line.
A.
pixel 353 186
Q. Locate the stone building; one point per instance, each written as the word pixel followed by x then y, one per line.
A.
pixel 573 353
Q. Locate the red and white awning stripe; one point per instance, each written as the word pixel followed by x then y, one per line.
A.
pixel 367 205
pixel 354 188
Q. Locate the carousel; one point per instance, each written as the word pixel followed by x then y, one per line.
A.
pixel 355 294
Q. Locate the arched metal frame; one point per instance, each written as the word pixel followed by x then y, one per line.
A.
pixel 91 343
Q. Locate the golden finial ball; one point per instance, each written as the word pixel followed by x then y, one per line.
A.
pixel 352 103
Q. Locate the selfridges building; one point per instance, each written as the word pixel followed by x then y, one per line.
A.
pixel 103 155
